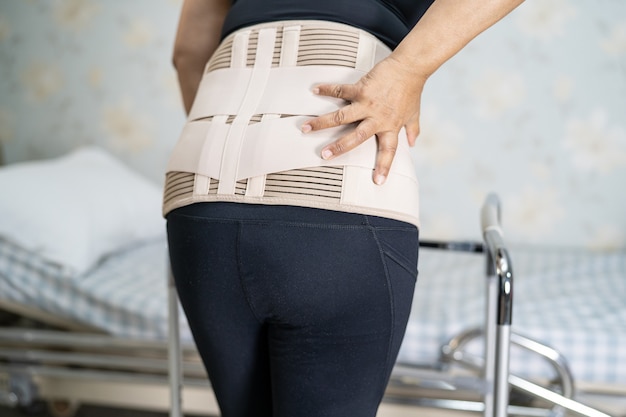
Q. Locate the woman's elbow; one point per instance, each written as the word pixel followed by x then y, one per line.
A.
pixel 191 55
pixel 180 56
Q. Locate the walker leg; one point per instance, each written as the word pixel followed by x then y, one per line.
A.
pixel 174 350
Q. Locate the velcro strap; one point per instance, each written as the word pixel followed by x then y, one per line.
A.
pixel 287 91
pixel 276 145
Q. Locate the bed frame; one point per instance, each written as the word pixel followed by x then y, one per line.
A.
pixel 73 364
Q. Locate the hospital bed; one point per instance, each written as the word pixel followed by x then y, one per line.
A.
pixel 107 336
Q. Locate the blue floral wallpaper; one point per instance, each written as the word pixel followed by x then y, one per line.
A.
pixel 534 109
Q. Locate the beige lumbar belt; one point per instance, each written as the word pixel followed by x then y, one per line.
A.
pixel 227 149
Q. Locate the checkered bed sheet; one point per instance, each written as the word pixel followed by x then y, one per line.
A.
pixel 570 300
pixel 125 295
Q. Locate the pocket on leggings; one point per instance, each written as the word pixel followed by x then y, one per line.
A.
pixel 400 246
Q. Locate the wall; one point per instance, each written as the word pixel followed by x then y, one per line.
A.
pixel 533 109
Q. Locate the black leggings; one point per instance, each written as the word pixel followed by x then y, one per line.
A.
pixel 295 311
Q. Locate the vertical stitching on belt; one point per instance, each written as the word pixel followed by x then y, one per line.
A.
pixel 254 93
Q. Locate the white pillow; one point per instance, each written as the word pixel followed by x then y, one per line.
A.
pixel 75 209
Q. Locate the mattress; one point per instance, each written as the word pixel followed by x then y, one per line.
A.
pixel 124 295
pixel 570 300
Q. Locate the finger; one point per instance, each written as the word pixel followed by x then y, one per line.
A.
pixel 343 116
pixel 412 128
pixel 344 91
pixel 387 145
pixel 362 132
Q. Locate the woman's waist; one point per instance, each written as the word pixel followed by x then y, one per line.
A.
pixel 243 131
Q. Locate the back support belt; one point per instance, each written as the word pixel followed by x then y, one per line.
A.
pixel 242 140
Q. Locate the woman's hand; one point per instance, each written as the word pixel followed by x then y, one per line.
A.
pixel 388 97
pixel 380 104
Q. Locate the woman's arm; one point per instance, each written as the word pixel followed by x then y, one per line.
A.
pixel 198 36
pixel 388 97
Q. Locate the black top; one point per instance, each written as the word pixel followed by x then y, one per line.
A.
pixel 388 20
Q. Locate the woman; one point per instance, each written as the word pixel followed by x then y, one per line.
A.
pixel 291 200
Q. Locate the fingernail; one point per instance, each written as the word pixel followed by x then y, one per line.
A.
pixel 326 153
pixel 379 179
pixel 306 128
pixel 315 90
